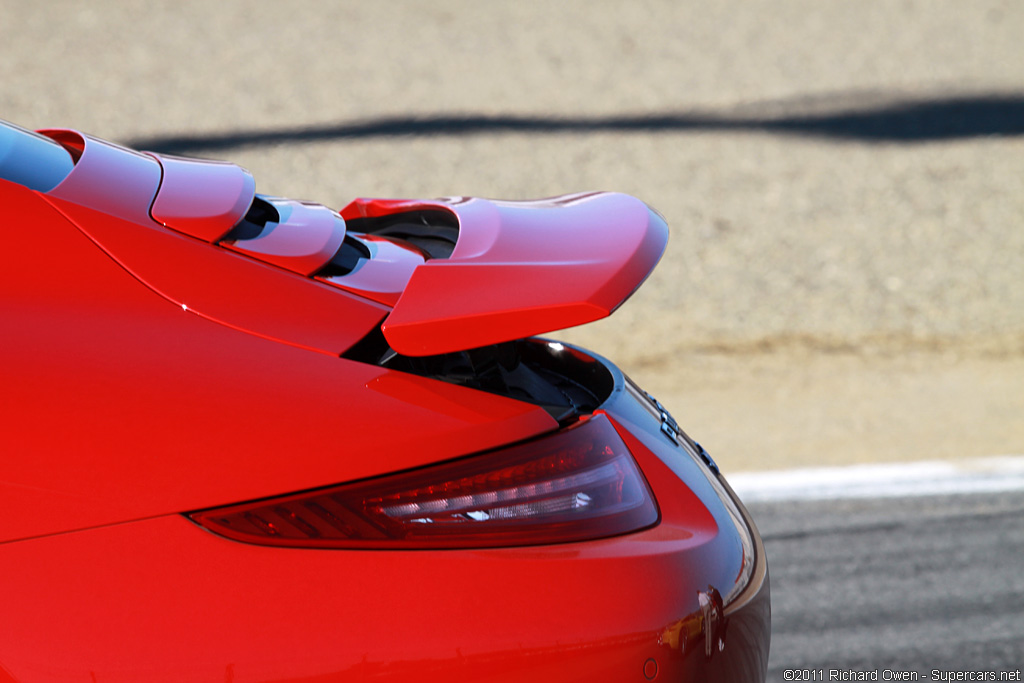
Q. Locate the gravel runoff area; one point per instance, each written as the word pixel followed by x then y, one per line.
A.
pixel 844 181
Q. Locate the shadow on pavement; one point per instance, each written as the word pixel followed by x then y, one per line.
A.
pixel 894 122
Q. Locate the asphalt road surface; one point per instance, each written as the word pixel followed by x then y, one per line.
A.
pixel 916 584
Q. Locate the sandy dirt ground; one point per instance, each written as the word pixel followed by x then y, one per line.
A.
pixel 844 181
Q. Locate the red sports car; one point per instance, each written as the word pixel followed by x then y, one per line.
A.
pixel 249 438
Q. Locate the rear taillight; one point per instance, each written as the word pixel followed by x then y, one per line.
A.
pixel 578 484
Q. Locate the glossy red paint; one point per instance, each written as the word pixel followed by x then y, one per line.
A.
pixel 109 427
pixel 524 268
pixel 572 612
pixel 230 288
pixel 150 372
pixel 372 208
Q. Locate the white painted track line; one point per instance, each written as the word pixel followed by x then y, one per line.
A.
pixel 977 475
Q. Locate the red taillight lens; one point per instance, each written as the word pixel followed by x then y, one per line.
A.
pixel 578 484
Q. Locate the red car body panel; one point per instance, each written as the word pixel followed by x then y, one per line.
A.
pixel 82 333
pixel 365 207
pixel 230 288
pixel 156 363
pixel 154 601
pixel 498 285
